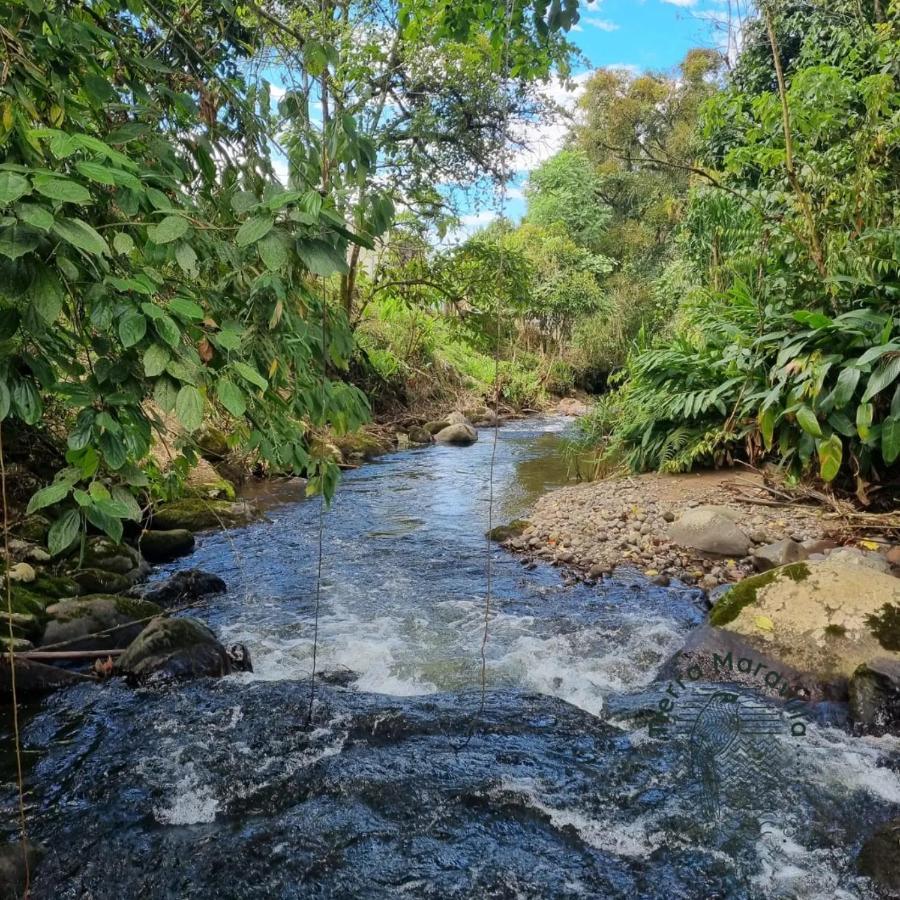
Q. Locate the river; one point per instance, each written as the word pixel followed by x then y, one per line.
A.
pixel 405 784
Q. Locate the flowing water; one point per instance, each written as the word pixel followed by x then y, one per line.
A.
pixel 404 784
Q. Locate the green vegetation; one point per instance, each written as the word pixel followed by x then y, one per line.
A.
pixel 745 592
pixel 784 268
pixel 154 269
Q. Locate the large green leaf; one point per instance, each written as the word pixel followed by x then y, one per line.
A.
pixel 27 402
pixel 61 189
pixel 132 328
pixel 155 359
pixel 273 251
pixel 81 235
pixel 63 532
pixel 807 420
pixel 767 426
pixel 883 376
pixel 187 309
pixel 845 387
pixel 864 415
pixel 35 215
pixel 46 294
pixel 231 397
pixel 167 329
pixel 831 451
pixel 5 400
pixel 16 241
pixel 321 258
pixel 890 439
pixel 253 230
pixel 12 186
pixel 169 229
pixel 189 407
pixel 248 373
pixel 47 496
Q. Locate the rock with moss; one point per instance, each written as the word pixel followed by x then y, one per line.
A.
pixel 357 445
pixel 27 601
pixel 435 426
pixel 169 649
pixel 502 533
pixel 14 644
pixel 875 698
pixel 58 586
pixel 879 858
pixel 213 443
pixel 163 546
pixel 204 481
pixel 419 435
pixel 819 617
pixel 97 622
pixel 36 678
pixel 97 581
pixel 33 529
pixel 102 553
pixel 194 514
pixel 22 625
pixel 182 587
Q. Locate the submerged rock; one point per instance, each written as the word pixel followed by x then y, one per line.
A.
pixel 98 622
pixel 162 546
pixel 169 649
pixel 879 858
pixel 459 434
pixel 194 514
pixel 875 698
pixel 36 678
pixel 182 587
pixel 503 533
pixel 712 529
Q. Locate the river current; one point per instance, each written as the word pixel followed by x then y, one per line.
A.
pixel 405 784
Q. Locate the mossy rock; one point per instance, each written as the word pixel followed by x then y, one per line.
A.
pixel 361 445
pixel 885 626
pixel 28 602
pixel 744 593
pixel 213 444
pixel 162 546
pixel 57 586
pixel 193 514
pixel 97 622
pixel 96 581
pixel 419 435
pixel 33 529
pixel 24 625
pixel 437 425
pixel 206 482
pixel 15 644
pixel 503 533
pixel 121 559
pixel 174 648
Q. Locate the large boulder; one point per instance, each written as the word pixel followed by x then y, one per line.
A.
pixel 182 587
pixel 851 556
pixel 97 622
pixel 108 556
pixel 98 581
pixel 437 425
pixel 879 858
pixel 162 546
pixel 419 435
pixel 875 697
pixel 712 529
pixel 35 678
pixel 205 482
pixel 361 444
pixel 170 649
pixel 458 418
pixel 824 618
pixel 195 514
pixel 514 529
pixel 460 434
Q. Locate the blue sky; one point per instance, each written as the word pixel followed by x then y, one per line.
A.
pixel 638 35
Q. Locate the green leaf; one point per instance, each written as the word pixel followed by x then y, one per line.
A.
pixel 167 329
pixel 767 426
pixel 845 387
pixel 169 229
pixel 243 201
pixel 96 172
pixel 46 294
pixel 17 241
pixel 248 373
pixel 132 328
pixel 253 230
pixel 165 392
pixel 890 439
pixel 35 215
pixel 807 420
pixel 81 235
pixel 61 189
pixel 186 308
pixel 47 496
pixel 231 397
pixel 123 243
pixel 187 259
pixel 12 186
pixel 831 453
pixel 5 400
pixel 27 402
pixel 321 258
pixel 63 532
pixel 113 449
pixel 864 414
pixel 883 376
pixel 189 407
pixel 155 359
pixel 125 499
pixel 108 524
pixel 273 251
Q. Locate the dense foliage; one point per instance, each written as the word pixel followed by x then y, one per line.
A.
pixel 154 270
pixel 784 340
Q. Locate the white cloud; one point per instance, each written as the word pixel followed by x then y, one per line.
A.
pixel 468 225
pixel 602 24
pixel 684 3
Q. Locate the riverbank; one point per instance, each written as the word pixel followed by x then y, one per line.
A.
pixel 597 527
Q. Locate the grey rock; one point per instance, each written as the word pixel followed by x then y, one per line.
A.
pixel 457 418
pixel 458 434
pixel 98 581
pixel 15 861
pixel 853 557
pixel 711 530
pixel 771 556
pixel 182 587
pixel 162 546
pixel 418 435
pixel 879 858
